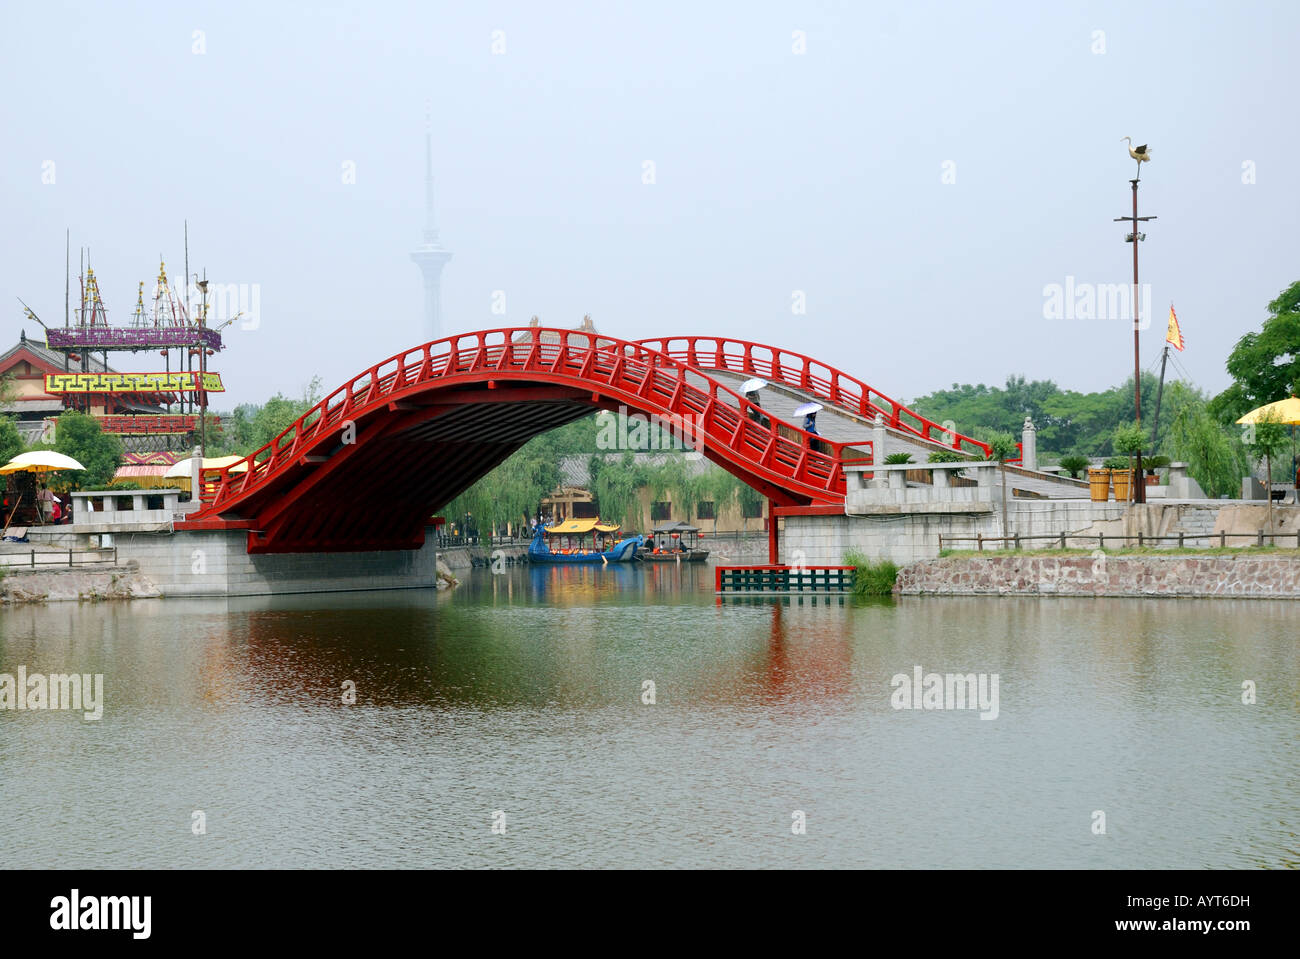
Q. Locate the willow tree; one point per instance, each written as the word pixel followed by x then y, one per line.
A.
pixel 1213 459
pixel 615 485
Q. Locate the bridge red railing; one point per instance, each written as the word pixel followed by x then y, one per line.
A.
pixel 776 452
pixel 809 376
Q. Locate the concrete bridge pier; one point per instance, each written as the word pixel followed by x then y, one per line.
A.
pixel 217 563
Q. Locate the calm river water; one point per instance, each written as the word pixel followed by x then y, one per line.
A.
pixel 522 694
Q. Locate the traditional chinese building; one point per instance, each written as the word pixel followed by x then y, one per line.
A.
pixel 153 411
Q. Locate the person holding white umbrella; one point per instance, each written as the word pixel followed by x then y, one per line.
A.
pixel 750 388
pixel 809 413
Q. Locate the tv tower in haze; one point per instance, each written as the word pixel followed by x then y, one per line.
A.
pixel 430 256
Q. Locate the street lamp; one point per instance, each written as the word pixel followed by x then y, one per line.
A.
pixel 1142 155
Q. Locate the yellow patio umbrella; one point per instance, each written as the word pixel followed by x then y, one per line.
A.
pixel 1285 411
pixel 40 461
pixel 36 461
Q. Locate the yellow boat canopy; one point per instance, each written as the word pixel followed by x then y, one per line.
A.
pixel 576 526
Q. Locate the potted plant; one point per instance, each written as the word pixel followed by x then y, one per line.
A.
pixel 1121 476
pixel 1074 464
pixel 1099 482
pixel 898 459
pixel 1128 440
pixel 1151 464
pixel 948 456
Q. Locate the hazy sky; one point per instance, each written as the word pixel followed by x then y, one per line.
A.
pixel 775 171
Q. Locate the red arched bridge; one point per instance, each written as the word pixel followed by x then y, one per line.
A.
pixel 365 468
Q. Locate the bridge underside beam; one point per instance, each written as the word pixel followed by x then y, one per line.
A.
pixel 381 494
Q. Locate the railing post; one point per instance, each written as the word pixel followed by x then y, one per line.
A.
pixel 979 542
pixel 1139 539
pixel 1062 541
pixel 1223 539
pixel 1180 540
pixel 1261 539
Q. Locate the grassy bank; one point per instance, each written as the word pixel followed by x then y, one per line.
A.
pixel 871 579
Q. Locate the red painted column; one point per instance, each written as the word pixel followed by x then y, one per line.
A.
pixel 773 547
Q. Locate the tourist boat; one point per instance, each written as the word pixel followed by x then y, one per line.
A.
pixel 675 542
pixel 621 551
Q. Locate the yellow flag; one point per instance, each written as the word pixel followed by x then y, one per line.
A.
pixel 1175 335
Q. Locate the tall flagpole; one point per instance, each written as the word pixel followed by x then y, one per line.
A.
pixel 1139 489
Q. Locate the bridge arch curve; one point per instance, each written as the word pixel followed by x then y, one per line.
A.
pixel 367 465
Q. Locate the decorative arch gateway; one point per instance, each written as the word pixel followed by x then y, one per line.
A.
pixel 366 467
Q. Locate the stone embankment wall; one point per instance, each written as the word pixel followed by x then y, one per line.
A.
pixel 908 537
pixel 467 557
pixel 1259 576
pixel 78 583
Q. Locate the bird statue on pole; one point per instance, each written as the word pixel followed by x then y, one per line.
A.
pixel 1141 154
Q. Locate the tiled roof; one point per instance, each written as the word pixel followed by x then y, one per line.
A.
pixel 52 358
pixel 576 338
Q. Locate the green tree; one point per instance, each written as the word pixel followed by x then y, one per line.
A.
pixel 615 485
pixel 1265 366
pixel 1002 448
pixel 1213 458
pixel 723 490
pixel 1065 420
pixel 78 435
pixel 11 441
pixel 1267 437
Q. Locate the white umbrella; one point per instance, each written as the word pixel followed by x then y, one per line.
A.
pixel 181 469
pixel 752 386
pixel 808 408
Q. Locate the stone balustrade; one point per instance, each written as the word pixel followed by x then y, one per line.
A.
pixel 108 511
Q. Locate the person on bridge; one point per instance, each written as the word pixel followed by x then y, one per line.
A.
pixel 750 388
pixel 809 413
